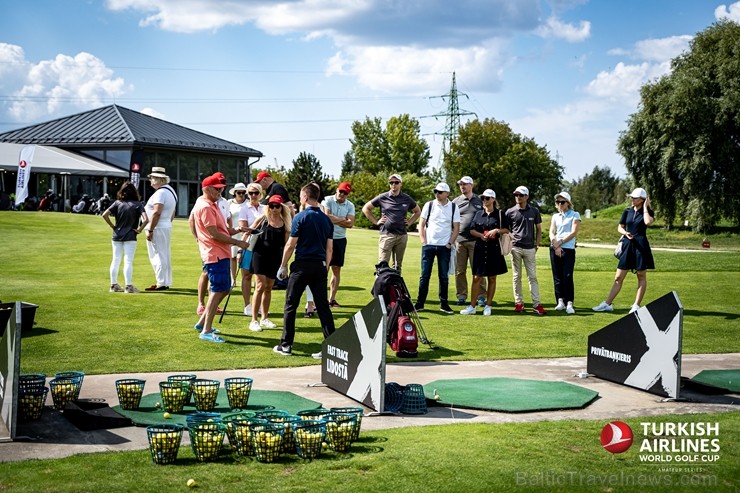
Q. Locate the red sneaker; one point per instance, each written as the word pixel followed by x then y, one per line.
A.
pixel 519 308
pixel 539 310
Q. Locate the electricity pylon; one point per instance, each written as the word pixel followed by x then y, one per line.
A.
pixel 452 118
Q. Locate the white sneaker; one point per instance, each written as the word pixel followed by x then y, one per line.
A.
pixel 487 310
pixel 603 307
pixel 569 309
pixel 248 310
pixel 634 308
pixel 254 326
pixel 560 305
pixel 316 355
pixel 468 310
pixel 267 324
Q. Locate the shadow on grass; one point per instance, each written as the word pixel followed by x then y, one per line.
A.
pixel 38 331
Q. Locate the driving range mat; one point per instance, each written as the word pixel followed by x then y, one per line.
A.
pixel 259 400
pixel 513 395
pixel 723 379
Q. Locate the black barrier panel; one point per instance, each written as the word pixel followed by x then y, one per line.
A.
pixel 10 363
pixel 353 357
pixel 642 349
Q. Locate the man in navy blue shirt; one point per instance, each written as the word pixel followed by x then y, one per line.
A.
pixel 311 239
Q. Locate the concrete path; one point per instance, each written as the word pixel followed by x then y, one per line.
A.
pixel 53 436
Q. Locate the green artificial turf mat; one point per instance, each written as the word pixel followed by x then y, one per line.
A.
pixel 259 400
pixel 723 379
pixel 509 394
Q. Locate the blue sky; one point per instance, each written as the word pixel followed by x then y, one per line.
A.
pixel 290 76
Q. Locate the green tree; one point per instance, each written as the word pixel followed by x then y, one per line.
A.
pixel 398 147
pixel 370 147
pixel 306 169
pixel 683 143
pixel 598 190
pixel 409 152
pixel 349 166
pixel 497 158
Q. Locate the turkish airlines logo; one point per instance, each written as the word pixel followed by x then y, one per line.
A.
pixel 23 163
pixel 616 437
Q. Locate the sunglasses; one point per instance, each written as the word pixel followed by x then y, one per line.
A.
pixel 560 202
pixel 486 198
pixel 342 192
pixel 275 206
pixel 254 193
pixel 439 191
pixel 394 182
pixel 519 195
pixel 240 193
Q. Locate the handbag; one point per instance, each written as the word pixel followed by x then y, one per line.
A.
pixel 620 247
pixel 504 241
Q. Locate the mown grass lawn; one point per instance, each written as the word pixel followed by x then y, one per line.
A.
pixel 60 262
pixel 564 456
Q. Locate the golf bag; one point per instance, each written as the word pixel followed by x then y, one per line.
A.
pixel 404 327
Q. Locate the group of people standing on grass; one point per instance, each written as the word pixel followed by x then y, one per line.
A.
pixel 466 233
pixel 258 231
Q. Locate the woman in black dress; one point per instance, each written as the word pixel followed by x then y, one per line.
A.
pixel 486 227
pixel 636 253
pixel 266 257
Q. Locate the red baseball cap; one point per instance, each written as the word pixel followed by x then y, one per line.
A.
pixel 220 176
pixel 214 181
pixel 275 199
pixel 345 187
pixel 261 175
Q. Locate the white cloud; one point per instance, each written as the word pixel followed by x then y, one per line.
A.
pixel 581 134
pixel 389 45
pixel 732 12
pixel 623 83
pixel 420 71
pixel 153 112
pixel 662 49
pixel 64 84
pixel 555 28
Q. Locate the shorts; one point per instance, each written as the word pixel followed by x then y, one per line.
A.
pixel 337 254
pixel 219 275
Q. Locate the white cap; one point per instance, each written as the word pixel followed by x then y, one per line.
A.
pixel 488 193
pixel 638 193
pixel 442 187
pixel 522 190
pixel 565 195
pixel 395 176
pixel 465 179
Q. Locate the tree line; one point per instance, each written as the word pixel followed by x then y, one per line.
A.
pixel 682 145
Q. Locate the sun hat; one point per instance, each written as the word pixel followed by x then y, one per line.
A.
pixel 239 187
pixel 488 193
pixel 522 190
pixel 465 179
pixel 442 187
pixel 159 172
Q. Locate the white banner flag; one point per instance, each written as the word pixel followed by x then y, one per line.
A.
pixel 24 173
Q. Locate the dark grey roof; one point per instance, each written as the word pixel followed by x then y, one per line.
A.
pixel 118 126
